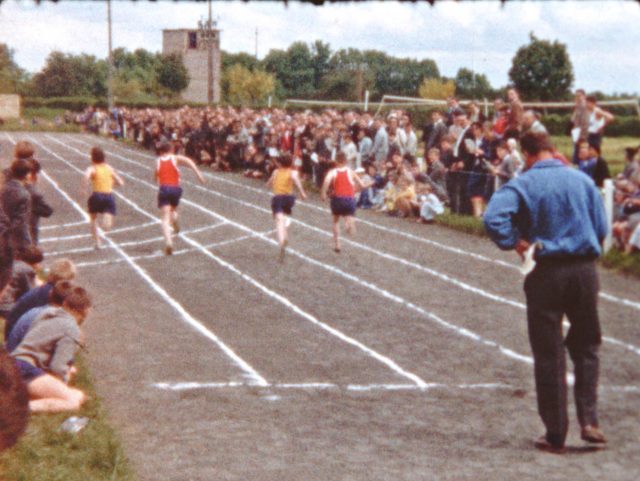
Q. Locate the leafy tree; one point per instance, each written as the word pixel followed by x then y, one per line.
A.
pixel 71 75
pixel 294 70
pixel 172 74
pixel 432 88
pixel 228 60
pixel 244 87
pixel 542 70
pixel 471 85
pixel 320 56
pixel 11 75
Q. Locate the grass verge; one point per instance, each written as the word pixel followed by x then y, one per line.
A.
pixel 614 259
pixel 45 121
pixel 45 453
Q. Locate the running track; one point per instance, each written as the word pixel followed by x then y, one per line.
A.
pixel 403 357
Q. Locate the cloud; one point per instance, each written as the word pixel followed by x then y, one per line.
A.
pixel 603 38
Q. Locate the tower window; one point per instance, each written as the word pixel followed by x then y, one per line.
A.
pixel 193 40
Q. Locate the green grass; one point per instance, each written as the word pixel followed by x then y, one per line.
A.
pixel 612 149
pixel 45 121
pixel 45 453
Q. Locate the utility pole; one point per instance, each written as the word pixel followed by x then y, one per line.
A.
pixel 206 31
pixel 256 43
pixel 110 62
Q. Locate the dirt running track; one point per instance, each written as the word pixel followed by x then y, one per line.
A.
pixel 405 357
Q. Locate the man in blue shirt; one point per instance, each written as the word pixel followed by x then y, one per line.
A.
pixel 560 210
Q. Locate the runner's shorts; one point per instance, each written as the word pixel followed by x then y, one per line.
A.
pixel 282 204
pixel 344 206
pixel 28 372
pixel 169 195
pixel 102 203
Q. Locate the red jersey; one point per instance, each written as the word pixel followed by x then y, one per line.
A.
pixel 167 170
pixel 342 184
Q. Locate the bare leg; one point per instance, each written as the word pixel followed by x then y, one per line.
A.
pixel 336 233
pixel 107 222
pixel 166 228
pixel 94 230
pixel 174 220
pixel 50 394
pixel 350 225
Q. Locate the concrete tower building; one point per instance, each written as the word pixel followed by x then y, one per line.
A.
pixel 193 47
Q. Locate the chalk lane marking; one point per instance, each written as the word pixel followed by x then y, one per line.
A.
pixel 63 226
pixel 444 277
pixel 269 292
pixel 382 292
pixel 132 243
pixel 188 386
pixel 249 372
pixel 178 252
pixel 86 235
pixel 480 257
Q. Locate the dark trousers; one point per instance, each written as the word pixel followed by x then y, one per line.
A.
pixel 555 288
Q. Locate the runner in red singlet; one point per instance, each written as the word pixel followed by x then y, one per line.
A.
pixel 168 177
pixel 342 182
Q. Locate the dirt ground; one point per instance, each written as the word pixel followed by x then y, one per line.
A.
pixel 405 357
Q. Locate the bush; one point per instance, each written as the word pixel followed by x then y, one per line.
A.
pixel 77 104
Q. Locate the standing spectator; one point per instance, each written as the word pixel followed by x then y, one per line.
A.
pixel 365 145
pixel 580 121
pixel 39 207
pixel 411 140
pixel 15 204
pixel 350 150
pixel 437 132
pixel 516 110
pixel 531 123
pixel 559 211
pixel 380 149
pixel 598 120
pixel 591 163
pixel 463 163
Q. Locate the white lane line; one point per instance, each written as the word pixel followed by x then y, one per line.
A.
pixel 63 226
pixel 249 371
pixel 480 257
pixel 276 296
pixel 131 243
pixel 176 252
pixel 188 386
pixel 382 292
pixel 444 277
pixel 85 235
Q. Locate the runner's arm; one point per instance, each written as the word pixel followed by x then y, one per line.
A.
pixel 296 180
pixel 181 159
pixel 325 185
pixel 116 177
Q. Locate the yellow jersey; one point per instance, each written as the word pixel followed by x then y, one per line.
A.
pixel 102 179
pixel 282 182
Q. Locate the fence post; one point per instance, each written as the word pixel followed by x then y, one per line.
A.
pixel 607 192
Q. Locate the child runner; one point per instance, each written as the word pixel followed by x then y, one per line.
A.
pixel 282 181
pixel 101 202
pixel 168 177
pixel 342 180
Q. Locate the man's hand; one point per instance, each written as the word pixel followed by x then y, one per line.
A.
pixel 521 247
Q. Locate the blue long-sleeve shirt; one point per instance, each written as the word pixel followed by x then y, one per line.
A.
pixel 552 204
pixel 36 297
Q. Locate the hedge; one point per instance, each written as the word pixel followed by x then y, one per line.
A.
pixel 77 104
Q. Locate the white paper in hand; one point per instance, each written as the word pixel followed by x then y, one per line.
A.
pixel 529 263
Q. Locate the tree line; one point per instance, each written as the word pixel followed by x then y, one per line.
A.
pixel 540 70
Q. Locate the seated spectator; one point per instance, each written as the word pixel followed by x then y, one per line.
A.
pixel 23 278
pixel 429 205
pixel 370 197
pixel 590 162
pixel 46 354
pixel 57 296
pixel 61 270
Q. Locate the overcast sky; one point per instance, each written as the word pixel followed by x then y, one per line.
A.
pixel 602 37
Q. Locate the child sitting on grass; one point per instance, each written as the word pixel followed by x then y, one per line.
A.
pixel 46 354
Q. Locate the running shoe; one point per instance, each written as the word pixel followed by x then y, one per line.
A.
pixel 168 250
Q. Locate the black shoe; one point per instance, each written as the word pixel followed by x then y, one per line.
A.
pixel 543 445
pixel 168 250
